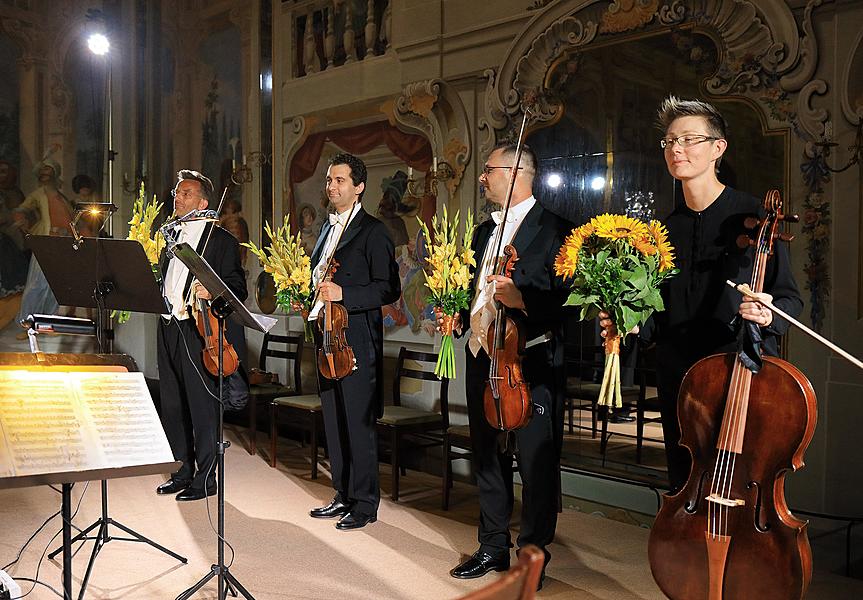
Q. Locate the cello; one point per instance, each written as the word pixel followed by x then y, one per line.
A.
pixel 507 404
pixel 728 533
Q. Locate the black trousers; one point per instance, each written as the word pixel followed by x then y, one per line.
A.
pixel 349 407
pixel 188 397
pixel 538 463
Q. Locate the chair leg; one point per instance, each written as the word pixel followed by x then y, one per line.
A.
pixel 253 426
pixel 603 440
pixel 394 445
pixel 639 432
pixel 314 443
pixel 571 411
pixel 447 473
pixel 274 432
pixel 594 409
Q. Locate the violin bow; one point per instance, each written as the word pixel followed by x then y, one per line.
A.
pixel 333 255
pixel 762 298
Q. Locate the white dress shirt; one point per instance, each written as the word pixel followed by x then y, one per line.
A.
pixel 175 277
pixel 338 222
pixel 483 310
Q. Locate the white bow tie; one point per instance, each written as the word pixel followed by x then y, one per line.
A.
pixel 497 217
pixel 335 218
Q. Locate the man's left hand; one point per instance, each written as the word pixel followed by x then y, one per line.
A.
pixel 505 292
pixel 330 292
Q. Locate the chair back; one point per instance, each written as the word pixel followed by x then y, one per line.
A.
pixel 519 583
pixel 427 374
pixel 291 350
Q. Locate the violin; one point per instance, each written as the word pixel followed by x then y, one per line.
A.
pixel 208 327
pixel 335 357
pixel 506 401
pixel 728 533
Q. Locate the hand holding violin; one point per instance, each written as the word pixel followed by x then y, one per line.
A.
pixel 505 291
pixel 201 292
pixel 330 292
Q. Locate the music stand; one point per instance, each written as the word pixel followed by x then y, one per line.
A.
pixel 223 305
pixel 105 274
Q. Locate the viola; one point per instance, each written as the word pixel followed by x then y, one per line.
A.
pixel 335 357
pixel 208 328
pixel 506 401
pixel 728 533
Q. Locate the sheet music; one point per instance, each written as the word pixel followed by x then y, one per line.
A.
pixel 73 421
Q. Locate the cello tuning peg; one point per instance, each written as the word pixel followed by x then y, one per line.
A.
pixel 750 222
pixel 791 218
pixel 744 241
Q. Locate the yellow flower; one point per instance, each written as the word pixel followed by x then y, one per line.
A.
pixel 618 227
pixel 566 263
pixel 665 249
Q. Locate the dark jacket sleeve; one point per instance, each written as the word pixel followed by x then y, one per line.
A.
pixel 781 285
pixel 384 286
pixel 544 300
pixel 231 269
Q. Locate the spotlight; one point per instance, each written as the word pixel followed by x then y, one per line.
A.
pixel 98 44
pixel 597 183
pixel 553 180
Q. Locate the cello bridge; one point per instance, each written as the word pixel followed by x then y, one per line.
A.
pixel 730 502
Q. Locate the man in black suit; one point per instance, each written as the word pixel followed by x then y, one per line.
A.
pixel 188 393
pixel 535 296
pixel 367 278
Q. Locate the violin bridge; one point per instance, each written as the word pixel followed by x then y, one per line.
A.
pixel 730 502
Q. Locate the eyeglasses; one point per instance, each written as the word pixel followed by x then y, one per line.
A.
pixel 486 170
pixel 685 141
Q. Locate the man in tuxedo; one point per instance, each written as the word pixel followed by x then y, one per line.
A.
pixel 535 296
pixel 188 393
pixel 367 279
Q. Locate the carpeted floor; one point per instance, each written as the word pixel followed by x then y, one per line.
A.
pixel 281 553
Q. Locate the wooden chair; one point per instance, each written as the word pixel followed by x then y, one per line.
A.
pixel 519 583
pixel 398 420
pixel 308 408
pixel 260 393
pixel 584 366
pixel 457 436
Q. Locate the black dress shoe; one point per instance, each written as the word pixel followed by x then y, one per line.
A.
pixel 172 486
pixel 336 508
pixel 355 520
pixel 479 564
pixel 196 494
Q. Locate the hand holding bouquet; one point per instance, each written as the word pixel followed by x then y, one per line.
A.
pixel 448 278
pixel 286 260
pixel 616 264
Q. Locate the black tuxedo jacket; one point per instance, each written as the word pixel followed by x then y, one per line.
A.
pixel 223 255
pixel 368 275
pixel 537 242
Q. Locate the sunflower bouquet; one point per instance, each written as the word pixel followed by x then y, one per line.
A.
pixel 286 260
pixel 616 264
pixel 448 278
pixel 144 213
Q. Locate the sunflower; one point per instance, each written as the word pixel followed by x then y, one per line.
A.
pixel 665 249
pixel 618 227
pixel 566 263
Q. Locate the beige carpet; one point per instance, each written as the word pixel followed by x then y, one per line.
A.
pixel 281 553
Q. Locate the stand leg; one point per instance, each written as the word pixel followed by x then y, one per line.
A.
pixel 66 512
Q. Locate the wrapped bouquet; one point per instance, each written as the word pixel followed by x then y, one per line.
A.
pixel 616 265
pixel 286 260
pixel 448 278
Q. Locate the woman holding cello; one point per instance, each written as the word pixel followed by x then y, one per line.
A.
pixel 703 317
pixel 527 369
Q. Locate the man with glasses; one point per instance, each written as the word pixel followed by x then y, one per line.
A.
pixel 701 311
pixel 534 296
pixel 188 393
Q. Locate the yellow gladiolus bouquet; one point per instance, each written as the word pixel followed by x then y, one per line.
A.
pixel 448 278
pixel 141 230
pixel 616 264
pixel 286 260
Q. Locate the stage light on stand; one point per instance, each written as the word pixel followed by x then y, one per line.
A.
pixel 98 44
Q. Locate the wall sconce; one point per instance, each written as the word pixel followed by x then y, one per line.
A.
pixel 243 173
pixel 440 171
pixel 131 187
pixel 827 143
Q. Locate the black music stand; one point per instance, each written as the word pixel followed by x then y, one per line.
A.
pixel 223 305
pixel 105 274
